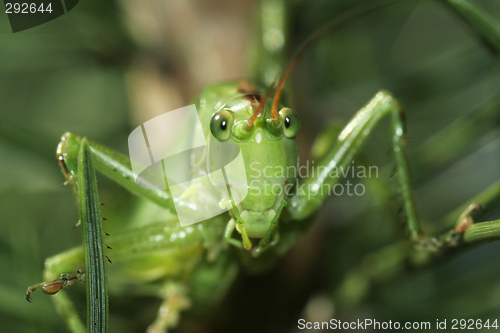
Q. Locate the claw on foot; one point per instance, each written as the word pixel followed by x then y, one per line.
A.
pixel 66 280
pixel 465 220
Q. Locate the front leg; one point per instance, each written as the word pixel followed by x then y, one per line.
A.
pixel 130 249
pixel 112 164
pixel 311 191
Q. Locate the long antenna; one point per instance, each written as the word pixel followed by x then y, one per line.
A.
pixel 261 105
pixel 336 23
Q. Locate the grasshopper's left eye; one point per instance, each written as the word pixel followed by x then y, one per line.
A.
pixel 221 124
pixel 291 122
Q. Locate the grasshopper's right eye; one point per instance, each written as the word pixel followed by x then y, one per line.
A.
pixel 221 124
pixel 291 122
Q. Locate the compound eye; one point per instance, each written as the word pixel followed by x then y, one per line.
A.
pixel 221 124
pixel 291 122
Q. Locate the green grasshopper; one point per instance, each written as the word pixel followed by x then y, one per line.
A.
pixel 198 263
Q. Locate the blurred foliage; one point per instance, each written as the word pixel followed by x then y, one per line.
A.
pixel 82 73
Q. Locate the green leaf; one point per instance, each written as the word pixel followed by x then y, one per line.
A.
pixel 95 268
pixel 480 21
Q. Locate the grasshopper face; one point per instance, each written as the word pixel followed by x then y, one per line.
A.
pixel 270 155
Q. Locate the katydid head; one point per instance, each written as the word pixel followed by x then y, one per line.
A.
pixel 269 151
pixel 265 133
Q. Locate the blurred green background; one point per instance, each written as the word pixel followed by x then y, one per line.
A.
pixel 106 67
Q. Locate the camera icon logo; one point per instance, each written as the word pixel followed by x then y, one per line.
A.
pixel 170 152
